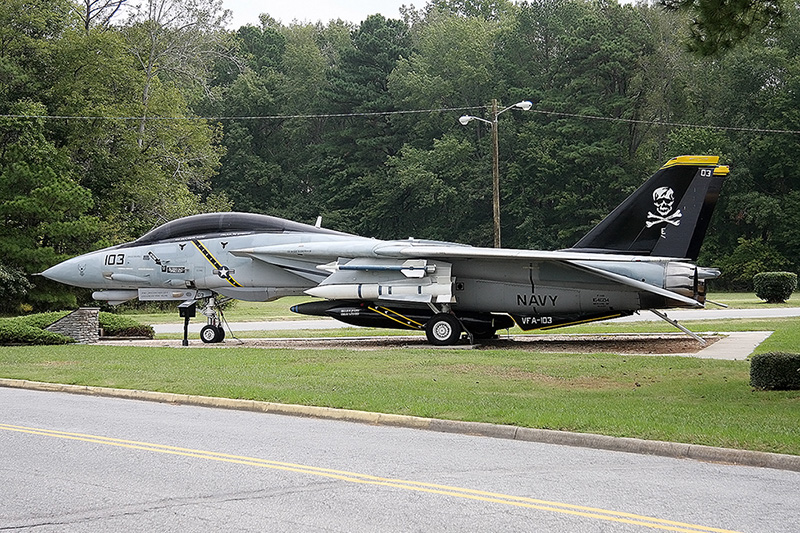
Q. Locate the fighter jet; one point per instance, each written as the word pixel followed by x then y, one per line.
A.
pixel 640 257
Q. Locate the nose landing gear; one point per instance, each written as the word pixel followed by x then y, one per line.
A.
pixel 213 332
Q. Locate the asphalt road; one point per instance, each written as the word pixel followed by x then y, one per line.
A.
pixel 82 463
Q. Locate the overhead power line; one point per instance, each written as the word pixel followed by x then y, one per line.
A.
pixel 401 112
pixel 662 123
pixel 256 117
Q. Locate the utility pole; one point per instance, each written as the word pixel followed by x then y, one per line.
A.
pixel 495 174
pixel 466 119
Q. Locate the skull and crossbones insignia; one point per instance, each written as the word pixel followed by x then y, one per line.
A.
pixel 664 200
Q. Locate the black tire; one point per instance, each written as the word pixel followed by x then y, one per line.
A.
pixel 211 334
pixel 443 330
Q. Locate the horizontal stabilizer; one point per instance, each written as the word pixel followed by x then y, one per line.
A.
pixel 678 299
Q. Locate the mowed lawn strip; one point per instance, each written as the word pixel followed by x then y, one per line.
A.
pixel 663 398
pixel 786 336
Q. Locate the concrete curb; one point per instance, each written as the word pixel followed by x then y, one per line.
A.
pixel 564 438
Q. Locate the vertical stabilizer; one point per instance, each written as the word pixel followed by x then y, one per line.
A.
pixel 667 216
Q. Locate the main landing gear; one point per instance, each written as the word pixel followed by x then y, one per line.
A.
pixel 445 328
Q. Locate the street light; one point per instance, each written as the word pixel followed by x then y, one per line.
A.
pixel 525 105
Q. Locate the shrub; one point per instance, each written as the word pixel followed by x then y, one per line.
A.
pixel 14 331
pixel 775 371
pixel 13 287
pixel 775 287
pixel 40 320
pixel 748 259
pixel 30 329
pixel 123 326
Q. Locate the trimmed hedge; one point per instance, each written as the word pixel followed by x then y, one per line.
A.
pixel 30 329
pixel 775 371
pixel 123 326
pixel 16 331
pixel 775 287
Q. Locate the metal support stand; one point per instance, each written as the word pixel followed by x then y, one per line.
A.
pixel 185 341
pixel 681 327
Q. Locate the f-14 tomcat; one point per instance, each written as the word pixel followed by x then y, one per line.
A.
pixel 640 257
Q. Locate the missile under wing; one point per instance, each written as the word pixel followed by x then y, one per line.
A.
pixel 639 257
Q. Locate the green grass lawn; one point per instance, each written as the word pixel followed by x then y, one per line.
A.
pixel 745 300
pixel 678 399
pixel 786 336
pixel 663 398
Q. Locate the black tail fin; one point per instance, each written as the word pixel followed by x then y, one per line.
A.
pixel 667 216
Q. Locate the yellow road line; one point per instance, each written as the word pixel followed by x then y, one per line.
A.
pixel 352 477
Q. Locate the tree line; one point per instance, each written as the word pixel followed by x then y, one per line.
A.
pixel 116 118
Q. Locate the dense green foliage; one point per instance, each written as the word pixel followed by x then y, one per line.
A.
pixel 775 287
pixel 102 135
pixel 13 286
pixel 124 326
pixel 30 329
pixel 15 333
pixel 717 25
pixel 775 371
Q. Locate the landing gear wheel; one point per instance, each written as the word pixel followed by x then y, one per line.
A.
pixel 443 330
pixel 210 334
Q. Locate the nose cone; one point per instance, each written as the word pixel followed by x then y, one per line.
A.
pixel 70 272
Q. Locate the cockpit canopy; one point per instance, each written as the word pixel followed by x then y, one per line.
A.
pixel 220 224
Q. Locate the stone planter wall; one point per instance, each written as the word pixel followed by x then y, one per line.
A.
pixel 83 325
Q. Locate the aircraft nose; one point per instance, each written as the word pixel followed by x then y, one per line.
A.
pixel 69 272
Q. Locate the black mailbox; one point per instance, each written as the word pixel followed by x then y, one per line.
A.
pixel 187 309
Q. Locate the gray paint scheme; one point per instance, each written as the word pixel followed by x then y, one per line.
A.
pixel 260 258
